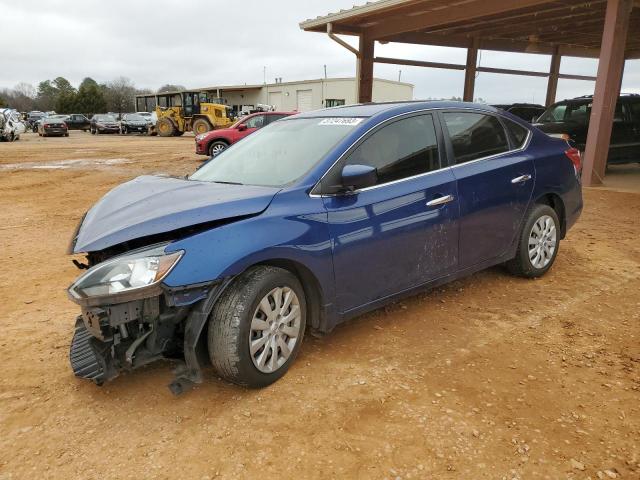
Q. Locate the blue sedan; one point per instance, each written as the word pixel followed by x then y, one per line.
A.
pixel 310 221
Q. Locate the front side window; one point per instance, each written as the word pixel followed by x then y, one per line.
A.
pixel 475 135
pixel 279 154
pixel 402 149
pixel 578 113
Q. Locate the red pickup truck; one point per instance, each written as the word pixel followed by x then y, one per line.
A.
pixel 215 141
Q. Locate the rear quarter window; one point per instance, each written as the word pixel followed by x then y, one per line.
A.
pixel 518 133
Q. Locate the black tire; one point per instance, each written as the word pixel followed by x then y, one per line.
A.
pixel 166 128
pixel 230 326
pixel 521 265
pixel 217 145
pixel 201 125
pixel 66 134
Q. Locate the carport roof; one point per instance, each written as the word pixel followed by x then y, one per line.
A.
pixel 533 26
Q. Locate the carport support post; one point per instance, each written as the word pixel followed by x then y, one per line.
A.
pixel 610 65
pixel 470 71
pixel 554 71
pixel 364 69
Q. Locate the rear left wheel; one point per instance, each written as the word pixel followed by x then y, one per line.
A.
pixel 538 243
pixel 257 326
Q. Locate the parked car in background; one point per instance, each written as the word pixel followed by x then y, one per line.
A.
pixel 133 122
pixel 104 123
pixel 77 121
pixel 214 142
pixel 308 222
pixel 55 125
pixel 11 125
pixel 526 111
pixel 571 117
pixel 32 118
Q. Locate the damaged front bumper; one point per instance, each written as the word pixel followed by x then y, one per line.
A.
pixel 115 337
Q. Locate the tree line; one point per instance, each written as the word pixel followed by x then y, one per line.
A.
pixel 90 97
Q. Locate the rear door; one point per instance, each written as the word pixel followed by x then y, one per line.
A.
pixel 401 232
pixel 495 178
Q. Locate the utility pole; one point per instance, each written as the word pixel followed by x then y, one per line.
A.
pixel 325 71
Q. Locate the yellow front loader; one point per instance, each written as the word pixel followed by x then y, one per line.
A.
pixel 180 112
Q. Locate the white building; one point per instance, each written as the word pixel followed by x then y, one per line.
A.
pixel 309 94
pixel 302 96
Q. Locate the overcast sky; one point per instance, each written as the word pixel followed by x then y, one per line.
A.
pixel 209 42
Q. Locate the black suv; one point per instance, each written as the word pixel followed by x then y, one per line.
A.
pixel 572 118
pixel 526 111
pixel 77 121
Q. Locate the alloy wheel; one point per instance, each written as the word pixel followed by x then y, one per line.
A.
pixel 275 328
pixel 542 241
pixel 217 149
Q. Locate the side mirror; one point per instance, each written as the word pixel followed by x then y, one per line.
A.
pixel 242 127
pixel 355 177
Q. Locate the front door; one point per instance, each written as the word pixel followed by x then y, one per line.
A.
pixel 401 232
pixel 495 181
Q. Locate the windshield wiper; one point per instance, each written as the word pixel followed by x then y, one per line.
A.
pixel 228 183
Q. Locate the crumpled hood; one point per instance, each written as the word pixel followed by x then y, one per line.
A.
pixel 150 205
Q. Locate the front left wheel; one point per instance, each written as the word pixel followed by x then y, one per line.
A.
pixel 256 327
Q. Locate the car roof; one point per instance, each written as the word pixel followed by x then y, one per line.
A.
pixel 373 109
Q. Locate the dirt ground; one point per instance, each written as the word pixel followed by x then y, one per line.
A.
pixel 489 377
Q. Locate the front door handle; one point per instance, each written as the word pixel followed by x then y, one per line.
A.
pixel 521 179
pixel 440 201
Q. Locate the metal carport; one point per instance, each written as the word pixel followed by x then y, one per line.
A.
pixel 605 29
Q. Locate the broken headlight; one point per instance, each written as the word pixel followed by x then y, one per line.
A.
pixel 125 274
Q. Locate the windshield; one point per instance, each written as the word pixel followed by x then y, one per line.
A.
pixel 278 154
pixel 134 118
pixel 105 118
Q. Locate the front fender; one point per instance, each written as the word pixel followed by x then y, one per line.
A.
pixel 230 249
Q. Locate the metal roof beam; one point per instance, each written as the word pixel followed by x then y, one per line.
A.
pixel 456 12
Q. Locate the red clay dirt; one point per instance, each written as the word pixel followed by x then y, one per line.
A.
pixel 489 377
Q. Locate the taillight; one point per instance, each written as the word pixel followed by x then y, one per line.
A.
pixel 574 155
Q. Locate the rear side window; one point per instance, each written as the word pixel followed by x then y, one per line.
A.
pixel 518 133
pixel 402 149
pixel 274 118
pixel 475 135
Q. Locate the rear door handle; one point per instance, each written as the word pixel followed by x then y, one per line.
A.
pixel 440 201
pixel 521 179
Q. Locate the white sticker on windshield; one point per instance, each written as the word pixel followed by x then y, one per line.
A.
pixel 348 121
